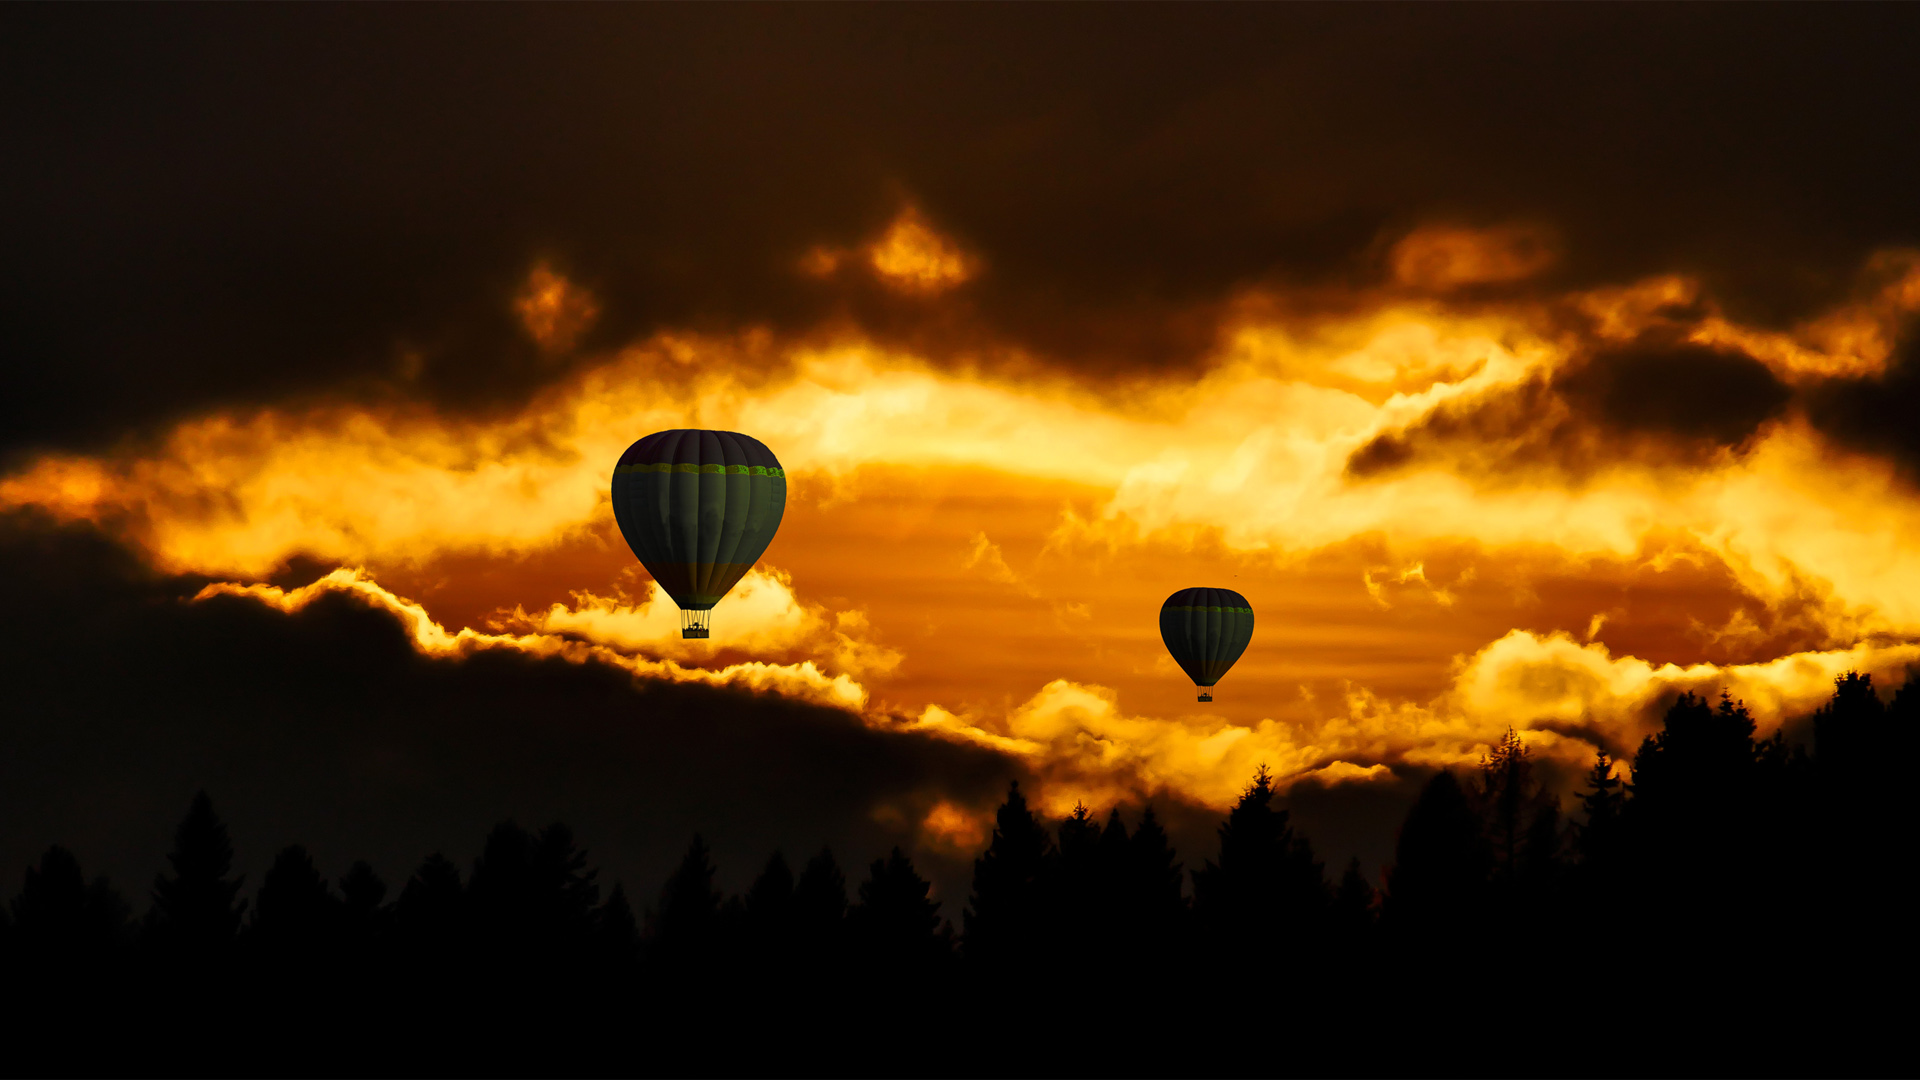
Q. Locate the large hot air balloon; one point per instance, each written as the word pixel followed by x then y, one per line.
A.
pixel 1206 630
pixel 698 508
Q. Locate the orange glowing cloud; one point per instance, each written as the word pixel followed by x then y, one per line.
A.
pixel 953 828
pixel 554 311
pixel 1442 257
pixel 912 257
pixel 1852 340
pixel 762 616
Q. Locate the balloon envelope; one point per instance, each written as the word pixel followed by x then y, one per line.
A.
pixel 698 508
pixel 1206 630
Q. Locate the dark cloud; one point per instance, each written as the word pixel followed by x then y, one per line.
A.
pixel 327 728
pixel 1690 393
pixel 1879 415
pixel 1658 400
pixel 217 205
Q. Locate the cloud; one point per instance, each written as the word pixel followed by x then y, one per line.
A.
pixel 762 617
pixel 1444 257
pixel 1874 414
pixel 985 558
pixel 802 681
pixel 1654 403
pixel 913 258
pixel 1567 699
pixel 554 310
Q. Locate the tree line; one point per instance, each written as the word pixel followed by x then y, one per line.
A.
pixel 1725 871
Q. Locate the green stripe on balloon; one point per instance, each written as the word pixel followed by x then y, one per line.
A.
pixel 1246 610
pixel 724 470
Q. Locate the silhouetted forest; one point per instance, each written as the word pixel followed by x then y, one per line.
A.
pixel 1727 904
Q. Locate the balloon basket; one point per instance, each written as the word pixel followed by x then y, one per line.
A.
pixel 695 624
pixel 1206 694
pixel 690 632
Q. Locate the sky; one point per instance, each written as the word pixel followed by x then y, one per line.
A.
pixel 1524 366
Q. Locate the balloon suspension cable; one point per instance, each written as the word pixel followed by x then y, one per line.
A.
pixel 694 624
pixel 1206 693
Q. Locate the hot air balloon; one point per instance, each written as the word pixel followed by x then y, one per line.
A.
pixel 1206 630
pixel 698 508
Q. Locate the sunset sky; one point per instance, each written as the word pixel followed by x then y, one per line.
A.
pixel 1523 367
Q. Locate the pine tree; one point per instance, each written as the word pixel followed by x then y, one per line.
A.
pixel 617 932
pixel 59 918
pixel 1006 918
pixel 1847 735
pixel 196 910
pixel 567 890
pixel 768 915
pixel 820 896
pixel 896 922
pixel 431 910
pixel 770 898
pixel 503 895
pixel 1153 905
pixel 1595 838
pixel 1078 915
pixel 1707 825
pixel 295 914
pixel 686 926
pixel 1520 818
pixel 361 892
pixel 366 926
pixel 1265 885
pixel 1436 889
pixel 1698 765
pixel 1353 906
pixel 1155 875
pixel 819 921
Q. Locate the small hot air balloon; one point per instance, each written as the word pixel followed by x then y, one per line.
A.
pixel 1206 630
pixel 698 508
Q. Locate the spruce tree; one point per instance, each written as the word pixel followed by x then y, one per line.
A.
pixel 568 894
pixel 1265 886
pixel 59 918
pixel 1007 915
pixel 1595 837
pixel 1155 876
pixel 196 908
pixel 361 893
pixel 1078 917
pixel 820 896
pixel 1353 906
pixel 770 898
pixel 897 923
pixel 686 927
pixel 769 915
pixel 1153 901
pixel 617 933
pixel 1437 888
pixel 431 910
pixel 819 921
pixel 1707 825
pixel 295 914
pixel 503 896
pixel 1518 815
pixel 1847 736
